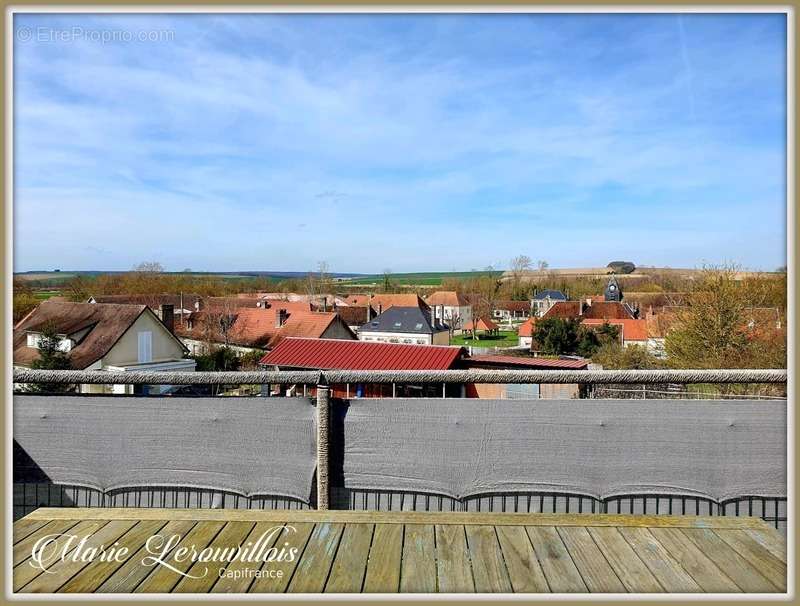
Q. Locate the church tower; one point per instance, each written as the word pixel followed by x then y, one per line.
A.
pixel 613 291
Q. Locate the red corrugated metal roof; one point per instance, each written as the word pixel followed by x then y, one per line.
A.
pixel 528 362
pixel 329 354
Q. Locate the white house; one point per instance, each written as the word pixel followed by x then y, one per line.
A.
pixel 409 325
pixel 106 337
pixel 452 308
pixel 543 300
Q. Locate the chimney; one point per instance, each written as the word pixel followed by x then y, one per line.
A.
pixel 380 308
pixel 369 308
pixel 441 314
pixel 168 316
pixel 197 304
pixel 280 317
pixel 433 316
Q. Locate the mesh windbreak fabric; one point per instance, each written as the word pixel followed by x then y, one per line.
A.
pixel 601 448
pixel 249 446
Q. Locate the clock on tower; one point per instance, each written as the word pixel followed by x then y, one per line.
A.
pixel 613 291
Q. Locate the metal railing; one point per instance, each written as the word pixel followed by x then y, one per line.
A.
pixel 335 377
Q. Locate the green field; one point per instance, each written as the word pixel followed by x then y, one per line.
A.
pixel 418 279
pixel 503 339
pixel 43 295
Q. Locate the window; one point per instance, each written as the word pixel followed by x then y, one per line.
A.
pixel 35 340
pixel 145 346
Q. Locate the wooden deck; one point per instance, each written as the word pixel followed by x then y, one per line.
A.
pixel 350 551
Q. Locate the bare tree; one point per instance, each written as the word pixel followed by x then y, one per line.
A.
pixel 485 289
pixel 387 280
pixel 217 322
pixel 519 266
pixel 542 265
pixel 316 283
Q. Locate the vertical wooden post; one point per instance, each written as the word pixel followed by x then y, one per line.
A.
pixel 323 435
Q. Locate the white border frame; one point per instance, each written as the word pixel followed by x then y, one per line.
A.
pixel 400 9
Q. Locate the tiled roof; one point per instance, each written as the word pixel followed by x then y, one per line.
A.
pixel 357 299
pixel 598 310
pixel 153 301
pixel 255 327
pixel 516 306
pixel 527 362
pixel 107 323
pixel 311 324
pixel 448 298
pixel 630 329
pixel 354 315
pixel 360 355
pixel 402 300
pixel 526 329
pixel 482 324
pixel 229 302
pixel 607 310
pixel 564 309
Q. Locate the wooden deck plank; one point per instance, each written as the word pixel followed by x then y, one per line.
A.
pixel 22 550
pixel 759 556
pixel 91 577
pixel 629 568
pixel 735 567
pixel 162 579
pixel 434 551
pixel 453 569
pixel 396 517
pixel 385 556
pixel 62 571
pixel 771 539
pixel 595 570
pixel 350 565
pixel 285 569
pixel 559 569
pixel 418 567
pixel 128 576
pixel 524 570
pixel 703 570
pixel 664 567
pixel 488 567
pixel 263 536
pixel 25 572
pixel 22 528
pixel 203 575
pixel 312 571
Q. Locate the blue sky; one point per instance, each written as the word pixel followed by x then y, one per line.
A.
pixel 410 142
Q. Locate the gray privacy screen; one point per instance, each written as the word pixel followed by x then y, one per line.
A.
pixel 602 448
pixel 249 446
